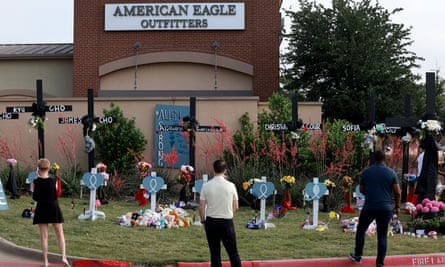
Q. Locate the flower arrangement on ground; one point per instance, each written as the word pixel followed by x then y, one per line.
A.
pixel 330 185
pixel 287 182
pixel 427 216
pixel 185 178
pixel 429 209
pixel 346 187
pixel 143 171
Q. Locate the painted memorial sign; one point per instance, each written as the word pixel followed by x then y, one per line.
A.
pixel 168 135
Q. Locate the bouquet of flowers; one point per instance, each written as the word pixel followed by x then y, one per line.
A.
pixel 102 169
pixel 431 127
pixel 55 167
pixel 11 162
pixel 329 184
pixel 143 168
pixel 346 184
pixel 36 122
pixel 287 181
pixel 346 187
pixel 185 177
pixel 248 184
pixel 429 209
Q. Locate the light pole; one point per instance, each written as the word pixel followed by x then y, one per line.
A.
pixel 216 45
pixel 136 46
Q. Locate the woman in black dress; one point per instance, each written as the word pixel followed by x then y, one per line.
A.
pixel 47 210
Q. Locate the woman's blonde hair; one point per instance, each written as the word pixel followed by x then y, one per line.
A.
pixel 43 164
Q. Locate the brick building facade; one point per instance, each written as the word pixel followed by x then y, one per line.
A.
pixel 103 59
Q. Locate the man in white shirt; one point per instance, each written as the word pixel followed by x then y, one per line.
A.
pixel 218 202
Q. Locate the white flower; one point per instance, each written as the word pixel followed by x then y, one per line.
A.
pixel 433 126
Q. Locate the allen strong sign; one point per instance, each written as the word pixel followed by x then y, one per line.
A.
pixel 174 16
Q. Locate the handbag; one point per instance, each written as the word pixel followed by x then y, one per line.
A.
pixel 58 187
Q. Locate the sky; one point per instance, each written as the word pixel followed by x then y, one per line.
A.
pixel 51 21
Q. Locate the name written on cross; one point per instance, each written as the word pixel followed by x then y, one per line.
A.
pixel 49 108
pixel 78 120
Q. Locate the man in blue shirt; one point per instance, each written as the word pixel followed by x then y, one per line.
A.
pixel 379 184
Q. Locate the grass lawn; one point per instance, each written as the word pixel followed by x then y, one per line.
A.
pixel 105 239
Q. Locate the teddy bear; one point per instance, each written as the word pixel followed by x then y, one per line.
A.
pixel 125 220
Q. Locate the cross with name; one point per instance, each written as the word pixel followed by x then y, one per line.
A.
pixel 39 110
pixel 88 122
pixel 293 125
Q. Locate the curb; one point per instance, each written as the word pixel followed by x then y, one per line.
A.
pixel 390 261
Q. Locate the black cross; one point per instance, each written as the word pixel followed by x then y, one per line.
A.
pixel 408 124
pixel 39 109
pixel 88 124
pixel 293 125
pixel 191 125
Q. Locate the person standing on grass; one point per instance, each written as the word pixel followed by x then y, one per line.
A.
pixel 47 210
pixel 379 184
pixel 218 202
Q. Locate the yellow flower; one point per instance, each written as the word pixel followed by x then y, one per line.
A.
pixel 329 183
pixel 288 179
pixel 246 186
pixel 55 166
pixel 332 215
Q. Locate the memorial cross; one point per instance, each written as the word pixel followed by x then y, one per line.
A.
pixel 314 191
pixel 153 184
pixel 3 201
pixel 39 110
pixel 88 125
pixel 92 180
pixel 408 124
pixel 262 190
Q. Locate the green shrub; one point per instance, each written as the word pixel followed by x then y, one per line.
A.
pixel 119 144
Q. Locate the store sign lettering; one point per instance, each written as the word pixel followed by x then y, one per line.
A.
pixel 174 16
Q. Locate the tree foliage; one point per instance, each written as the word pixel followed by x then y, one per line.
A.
pixel 342 55
pixel 120 143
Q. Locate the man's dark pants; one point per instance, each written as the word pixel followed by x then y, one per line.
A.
pixel 382 219
pixel 218 230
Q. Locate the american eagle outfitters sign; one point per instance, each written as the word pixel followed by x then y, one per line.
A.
pixel 174 16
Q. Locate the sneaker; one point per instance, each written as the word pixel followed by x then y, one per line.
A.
pixel 355 258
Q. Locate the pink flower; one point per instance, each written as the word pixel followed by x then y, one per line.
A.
pixel 425 210
pixel 434 210
pixel 424 201
pixel 11 162
pixel 419 207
